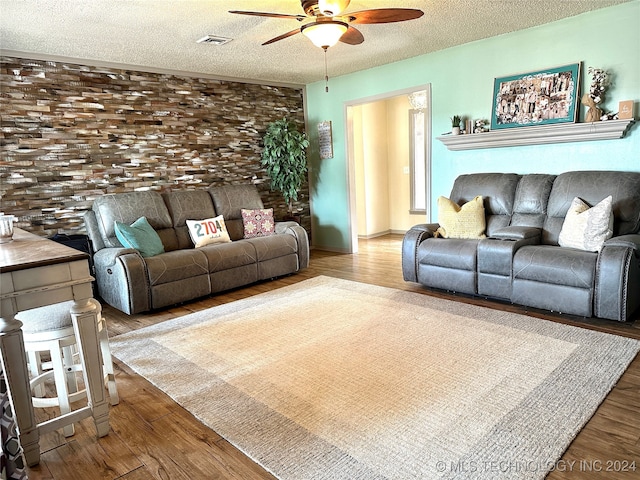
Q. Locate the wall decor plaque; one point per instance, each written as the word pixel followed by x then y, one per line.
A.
pixel 325 140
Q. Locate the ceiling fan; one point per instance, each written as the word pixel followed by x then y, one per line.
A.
pixel 325 23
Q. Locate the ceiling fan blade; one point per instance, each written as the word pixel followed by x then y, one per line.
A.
pixel 352 36
pixel 384 15
pixel 282 37
pixel 271 15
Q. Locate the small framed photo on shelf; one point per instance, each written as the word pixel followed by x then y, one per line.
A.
pixel 536 98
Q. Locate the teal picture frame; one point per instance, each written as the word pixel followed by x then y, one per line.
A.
pixel 542 97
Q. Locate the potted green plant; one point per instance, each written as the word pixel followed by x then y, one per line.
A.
pixel 285 159
pixel 455 124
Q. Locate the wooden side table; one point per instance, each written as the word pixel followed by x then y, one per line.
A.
pixel 35 272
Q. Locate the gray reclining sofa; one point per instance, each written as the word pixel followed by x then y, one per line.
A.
pixel 132 283
pixel 521 261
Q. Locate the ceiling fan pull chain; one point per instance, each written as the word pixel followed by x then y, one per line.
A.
pixel 326 74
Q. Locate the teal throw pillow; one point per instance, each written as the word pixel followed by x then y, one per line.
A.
pixel 141 236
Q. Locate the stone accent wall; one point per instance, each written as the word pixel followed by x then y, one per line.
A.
pixel 70 133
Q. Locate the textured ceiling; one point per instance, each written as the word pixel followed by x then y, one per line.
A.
pixel 161 35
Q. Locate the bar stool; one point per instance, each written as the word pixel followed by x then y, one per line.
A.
pixel 49 329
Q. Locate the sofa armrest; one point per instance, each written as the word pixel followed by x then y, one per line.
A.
pixel 429 228
pixel 630 240
pixel 300 234
pixel 121 276
pixel 618 278
pixel 517 233
pixel 410 243
pixel 108 256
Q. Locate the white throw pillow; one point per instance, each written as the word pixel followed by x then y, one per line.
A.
pixel 585 227
pixel 206 232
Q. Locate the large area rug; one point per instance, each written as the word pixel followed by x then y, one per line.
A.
pixel 333 379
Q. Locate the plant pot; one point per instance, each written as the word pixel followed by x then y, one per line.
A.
pixel 455 131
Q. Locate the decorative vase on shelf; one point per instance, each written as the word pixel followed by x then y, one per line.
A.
pixel 455 130
pixel 593 112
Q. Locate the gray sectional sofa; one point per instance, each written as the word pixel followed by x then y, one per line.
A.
pixel 132 283
pixel 521 261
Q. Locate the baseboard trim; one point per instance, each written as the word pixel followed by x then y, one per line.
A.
pixel 381 234
pixel 330 249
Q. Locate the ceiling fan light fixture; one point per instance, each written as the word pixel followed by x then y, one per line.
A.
pixel 331 8
pixel 324 34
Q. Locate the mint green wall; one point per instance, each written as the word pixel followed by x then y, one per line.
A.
pixel 462 83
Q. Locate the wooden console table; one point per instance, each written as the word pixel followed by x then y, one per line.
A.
pixel 35 272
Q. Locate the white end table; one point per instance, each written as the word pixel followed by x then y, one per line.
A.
pixel 34 272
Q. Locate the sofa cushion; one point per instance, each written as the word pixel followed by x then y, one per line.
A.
pixel 498 191
pixel 258 222
pixel 592 187
pixel 186 205
pixel 532 197
pixel 141 236
pixel 225 256
pixel 229 200
pixel 273 246
pixel 466 221
pixel 585 227
pixel 127 208
pixel 452 253
pixel 208 232
pixel 176 266
pixel 555 265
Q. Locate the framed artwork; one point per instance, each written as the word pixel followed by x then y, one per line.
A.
pixel 325 140
pixel 536 98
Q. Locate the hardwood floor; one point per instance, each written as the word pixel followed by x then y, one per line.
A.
pixel 154 438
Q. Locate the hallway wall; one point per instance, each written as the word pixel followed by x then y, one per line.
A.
pixel 381 154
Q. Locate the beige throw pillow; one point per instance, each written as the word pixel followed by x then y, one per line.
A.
pixel 466 221
pixel 585 227
pixel 209 231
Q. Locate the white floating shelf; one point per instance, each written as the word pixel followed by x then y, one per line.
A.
pixel 539 135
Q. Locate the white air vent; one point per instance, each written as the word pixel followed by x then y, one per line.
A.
pixel 214 40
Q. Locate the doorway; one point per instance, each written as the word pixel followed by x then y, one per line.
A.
pixel 389 162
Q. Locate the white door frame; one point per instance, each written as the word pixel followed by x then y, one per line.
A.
pixel 351 164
